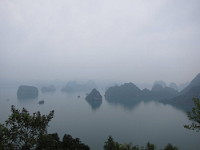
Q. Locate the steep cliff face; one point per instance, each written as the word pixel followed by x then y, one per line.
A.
pixel 184 99
pixel 194 83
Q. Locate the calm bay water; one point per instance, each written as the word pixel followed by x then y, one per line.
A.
pixel 93 122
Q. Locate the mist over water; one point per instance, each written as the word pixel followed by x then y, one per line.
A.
pixel 111 42
pixel 143 122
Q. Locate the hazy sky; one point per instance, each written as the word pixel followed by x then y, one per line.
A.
pixel 128 40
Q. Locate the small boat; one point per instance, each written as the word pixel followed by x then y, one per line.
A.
pixel 79 96
pixel 41 102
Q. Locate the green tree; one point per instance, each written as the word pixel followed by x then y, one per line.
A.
pixel 22 130
pixel 150 146
pixel 69 143
pixel 110 144
pixel 128 146
pixel 170 147
pixel 49 142
pixel 194 116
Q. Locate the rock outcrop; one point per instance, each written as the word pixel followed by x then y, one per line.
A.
pixel 125 92
pixel 194 83
pixel 129 94
pixel 94 95
pixel 26 92
pixel 184 99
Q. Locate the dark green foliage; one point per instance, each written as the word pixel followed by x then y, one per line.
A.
pixel 49 142
pixel 70 143
pixel 128 147
pixel 25 92
pixel 1 137
pixel 170 147
pixel 110 144
pixel 194 116
pixel 52 142
pixel 150 146
pixel 23 130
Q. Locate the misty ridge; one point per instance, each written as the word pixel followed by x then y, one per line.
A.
pixel 126 94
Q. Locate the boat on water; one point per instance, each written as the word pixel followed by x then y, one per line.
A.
pixel 41 102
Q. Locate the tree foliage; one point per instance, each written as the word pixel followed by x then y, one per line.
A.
pixel 111 144
pixel 170 147
pixel 150 146
pixel 69 143
pixel 194 116
pixel 23 130
pixel 49 142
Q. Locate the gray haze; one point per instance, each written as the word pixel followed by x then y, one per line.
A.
pixel 126 40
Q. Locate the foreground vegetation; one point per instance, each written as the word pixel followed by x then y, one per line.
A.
pixel 110 144
pixel 23 131
pixel 194 116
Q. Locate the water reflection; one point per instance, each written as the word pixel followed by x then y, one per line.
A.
pixel 182 107
pixel 27 100
pixel 153 121
pixel 130 104
pixel 127 104
pixel 95 104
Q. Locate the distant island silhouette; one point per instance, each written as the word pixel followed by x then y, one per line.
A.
pixel 184 99
pixel 94 98
pixel 128 94
pixel 73 86
pixel 27 92
pixel 50 88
